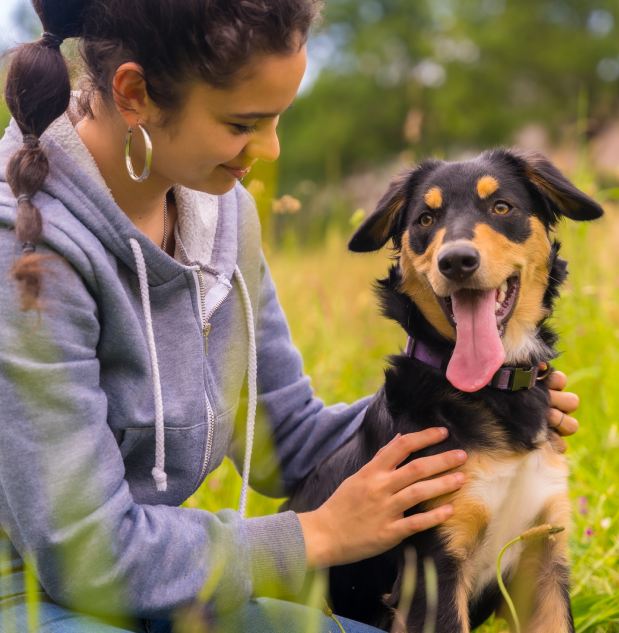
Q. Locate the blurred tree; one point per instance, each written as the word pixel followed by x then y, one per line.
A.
pixel 26 22
pixel 440 76
pixel 433 77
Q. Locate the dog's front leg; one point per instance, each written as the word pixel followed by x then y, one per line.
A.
pixel 452 545
pixel 540 588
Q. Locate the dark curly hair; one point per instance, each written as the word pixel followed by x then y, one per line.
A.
pixel 174 41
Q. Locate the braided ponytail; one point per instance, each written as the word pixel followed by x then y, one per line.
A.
pixel 38 91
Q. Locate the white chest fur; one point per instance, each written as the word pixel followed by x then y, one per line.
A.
pixel 515 489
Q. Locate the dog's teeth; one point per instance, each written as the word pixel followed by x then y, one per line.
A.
pixel 502 296
pixel 497 305
pixel 504 287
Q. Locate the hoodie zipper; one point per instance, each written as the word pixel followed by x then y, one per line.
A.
pixel 206 318
pixel 206 330
pixel 206 326
pixel 209 439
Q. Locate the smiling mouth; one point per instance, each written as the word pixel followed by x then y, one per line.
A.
pixel 505 302
pixel 238 172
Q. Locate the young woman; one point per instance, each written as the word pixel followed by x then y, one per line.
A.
pixel 134 304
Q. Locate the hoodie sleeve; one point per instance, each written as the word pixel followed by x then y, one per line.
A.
pixel 64 500
pixel 304 431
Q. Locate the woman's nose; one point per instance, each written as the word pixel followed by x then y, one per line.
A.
pixel 265 144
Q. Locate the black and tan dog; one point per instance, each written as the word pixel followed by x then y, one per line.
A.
pixel 476 275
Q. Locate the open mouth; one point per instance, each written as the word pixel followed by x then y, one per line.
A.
pixel 479 318
pixel 506 297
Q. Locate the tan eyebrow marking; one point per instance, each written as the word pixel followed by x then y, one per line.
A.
pixel 434 198
pixel 486 186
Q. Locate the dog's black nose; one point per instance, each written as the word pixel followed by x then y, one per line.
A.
pixel 458 262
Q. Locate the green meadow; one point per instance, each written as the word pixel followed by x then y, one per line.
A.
pixel 327 295
pixel 394 81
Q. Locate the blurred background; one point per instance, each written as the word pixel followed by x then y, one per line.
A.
pixel 392 82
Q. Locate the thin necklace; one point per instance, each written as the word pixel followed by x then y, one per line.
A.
pixel 164 241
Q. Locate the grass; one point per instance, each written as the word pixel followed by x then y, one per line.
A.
pixel 327 296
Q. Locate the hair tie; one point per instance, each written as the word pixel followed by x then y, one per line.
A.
pixel 24 197
pixel 31 141
pixel 28 247
pixel 50 40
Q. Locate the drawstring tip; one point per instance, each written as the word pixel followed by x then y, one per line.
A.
pixel 161 479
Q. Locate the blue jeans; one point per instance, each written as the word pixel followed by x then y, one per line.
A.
pixel 264 615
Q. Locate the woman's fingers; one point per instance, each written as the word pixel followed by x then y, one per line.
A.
pixel 556 380
pixel 394 453
pixel 423 520
pixel 562 423
pixel 428 489
pixel 424 467
pixel 564 401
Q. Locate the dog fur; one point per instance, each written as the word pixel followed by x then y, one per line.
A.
pixel 504 205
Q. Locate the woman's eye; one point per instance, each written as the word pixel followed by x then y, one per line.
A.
pixel 426 220
pixel 501 207
pixel 238 128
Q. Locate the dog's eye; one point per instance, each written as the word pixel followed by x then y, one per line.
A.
pixel 501 207
pixel 426 220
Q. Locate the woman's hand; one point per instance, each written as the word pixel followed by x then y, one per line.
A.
pixel 365 515
pixel 562 403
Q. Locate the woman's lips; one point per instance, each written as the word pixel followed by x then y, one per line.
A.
pixel 238 172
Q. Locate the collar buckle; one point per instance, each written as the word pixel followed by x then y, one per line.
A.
pixel 523 378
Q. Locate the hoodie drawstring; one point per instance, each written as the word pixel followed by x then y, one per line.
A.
pixel 158 472
pixel 252 387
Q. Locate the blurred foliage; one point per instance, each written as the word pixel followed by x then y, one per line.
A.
pixel 443 76
pixel 392 81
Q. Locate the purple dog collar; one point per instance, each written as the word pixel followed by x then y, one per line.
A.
pixel 506 378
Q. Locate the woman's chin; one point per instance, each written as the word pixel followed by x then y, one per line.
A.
pixel 218 183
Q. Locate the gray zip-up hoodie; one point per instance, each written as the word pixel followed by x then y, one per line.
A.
pixel 121 395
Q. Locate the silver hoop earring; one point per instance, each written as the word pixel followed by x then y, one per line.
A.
pixel 149 155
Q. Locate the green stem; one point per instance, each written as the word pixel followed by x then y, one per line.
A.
pixel 502 587
pixel 537 532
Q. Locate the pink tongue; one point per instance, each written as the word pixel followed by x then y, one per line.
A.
pixel 479 352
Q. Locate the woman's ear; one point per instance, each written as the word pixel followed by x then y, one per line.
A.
pixel 563 198
pixel 130 95
pixel 387 220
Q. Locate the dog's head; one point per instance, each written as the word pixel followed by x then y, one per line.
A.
pixel 475 252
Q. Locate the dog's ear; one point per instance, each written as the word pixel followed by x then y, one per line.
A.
pixel 562 197
pixel 386 221
pixel 382 223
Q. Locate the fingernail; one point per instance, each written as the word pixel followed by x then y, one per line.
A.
pixel 459 477
pixel 461 456
pixel 443 431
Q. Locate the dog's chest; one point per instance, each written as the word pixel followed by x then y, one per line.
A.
pixel 511 492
